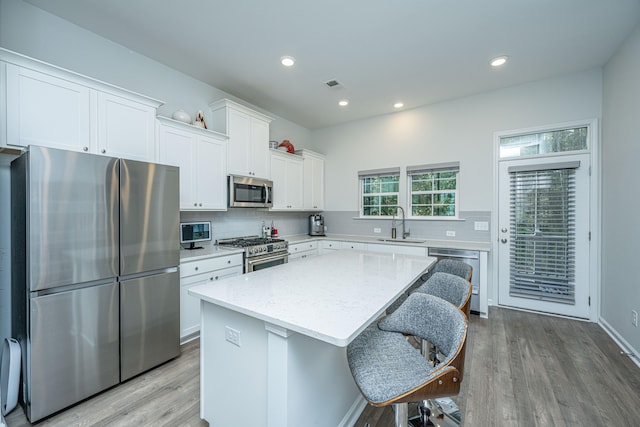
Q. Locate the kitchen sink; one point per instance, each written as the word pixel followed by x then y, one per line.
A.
pixel 389 240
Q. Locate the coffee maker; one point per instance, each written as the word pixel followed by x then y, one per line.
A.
pixel 316 225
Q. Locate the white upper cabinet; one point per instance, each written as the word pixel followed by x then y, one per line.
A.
pixel 313 182
pixel 47 111
pixel 53 107
pixel 248 131
pixel 201 156
pixel 125 128
pixel 287 176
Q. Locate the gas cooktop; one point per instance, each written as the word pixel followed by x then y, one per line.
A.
pixel 255 245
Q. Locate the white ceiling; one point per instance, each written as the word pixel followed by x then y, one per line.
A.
pixel 381 51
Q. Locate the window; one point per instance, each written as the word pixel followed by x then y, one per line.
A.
pixel 379 192
pixel 542 212
pixel 535 144
pixel 433 190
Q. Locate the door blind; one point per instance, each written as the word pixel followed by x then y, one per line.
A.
pixel 542 249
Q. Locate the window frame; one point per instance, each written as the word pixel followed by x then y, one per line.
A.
pixel 377 173
pixel 434 169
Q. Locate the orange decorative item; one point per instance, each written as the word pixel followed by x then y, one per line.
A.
pixel 289 146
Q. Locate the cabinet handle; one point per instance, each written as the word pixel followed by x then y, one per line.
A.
pixel 85 148
pixel 217 277
pixel 211 278
pixel 103 151
pixel 196 268
pixel 195 204
pixel 200 205
pixel 228 261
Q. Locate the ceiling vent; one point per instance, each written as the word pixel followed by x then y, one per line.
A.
pixel 332 83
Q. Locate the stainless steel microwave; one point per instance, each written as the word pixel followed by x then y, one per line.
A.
pixel 247 192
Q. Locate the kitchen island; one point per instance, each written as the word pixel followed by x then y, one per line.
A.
pixel 273 341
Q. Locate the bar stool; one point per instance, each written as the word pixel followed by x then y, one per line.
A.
pixel 388 370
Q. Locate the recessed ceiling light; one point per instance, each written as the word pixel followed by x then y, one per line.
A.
pixel 498 61
pixel 343 102
pixel 287 61
pixel 398 105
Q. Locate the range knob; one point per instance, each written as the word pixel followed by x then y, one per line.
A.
pixel 251 251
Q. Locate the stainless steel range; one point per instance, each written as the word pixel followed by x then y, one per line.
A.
pixel 260 252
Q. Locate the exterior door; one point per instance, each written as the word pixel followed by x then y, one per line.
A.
pixel 544 234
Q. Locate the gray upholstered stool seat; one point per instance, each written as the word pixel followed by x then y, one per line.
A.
pixel 388 370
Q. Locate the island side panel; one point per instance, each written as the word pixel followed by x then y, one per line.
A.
pixel 234 379
pixel 318 372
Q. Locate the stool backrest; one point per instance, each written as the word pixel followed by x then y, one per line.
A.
pixel 433 319
pixel 452 266
pixel 449 287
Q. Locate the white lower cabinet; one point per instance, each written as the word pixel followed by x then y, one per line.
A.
pixel 328 246
pixel 302 250
pixel 196 273
pixel 397 249
pixel 356 246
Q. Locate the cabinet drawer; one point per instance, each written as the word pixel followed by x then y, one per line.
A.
pixel 330 244
pixel 210 264
pixel 353 245
pixel 301 247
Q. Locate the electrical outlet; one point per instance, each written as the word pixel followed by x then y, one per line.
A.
pixel 377 230
pixel 451 233
pixel 634 318
pixel 481 225
pixel 232 335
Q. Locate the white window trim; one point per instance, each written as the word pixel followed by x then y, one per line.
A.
pixel 372 173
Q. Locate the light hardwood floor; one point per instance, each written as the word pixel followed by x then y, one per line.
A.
pixel 522 369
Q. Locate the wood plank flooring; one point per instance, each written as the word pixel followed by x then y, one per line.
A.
pixel 521 370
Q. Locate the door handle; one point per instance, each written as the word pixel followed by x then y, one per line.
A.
pixel 504 230
pixel 503 240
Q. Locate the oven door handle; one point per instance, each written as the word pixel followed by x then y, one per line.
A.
pixel 263 258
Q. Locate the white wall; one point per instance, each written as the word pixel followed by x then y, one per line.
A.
pixel 33 32
pixel 620 201
pixel 459 130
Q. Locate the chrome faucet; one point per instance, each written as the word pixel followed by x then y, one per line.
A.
pixel 406 233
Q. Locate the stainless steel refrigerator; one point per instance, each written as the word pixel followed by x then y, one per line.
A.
pixel 95 282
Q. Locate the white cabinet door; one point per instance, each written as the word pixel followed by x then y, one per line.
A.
pixel 259 149
pixel 302 250
pixel 47 111
pixel 178 148
pixel 313 191
pixel 287 176
pixel 239 131
pixel 248 132
pixel 125 128
pixel 202 161
pixel 211 174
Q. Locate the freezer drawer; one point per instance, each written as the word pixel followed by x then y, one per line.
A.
pixel 74 351
pixel 149 322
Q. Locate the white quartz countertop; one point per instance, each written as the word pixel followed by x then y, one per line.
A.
pixel 429 243
pixel 209 251
pixel 330 297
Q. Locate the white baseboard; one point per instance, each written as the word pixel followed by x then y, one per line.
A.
pixel 627 348
pixel 354 412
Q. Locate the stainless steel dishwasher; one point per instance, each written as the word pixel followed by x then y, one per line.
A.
pixel 470 257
